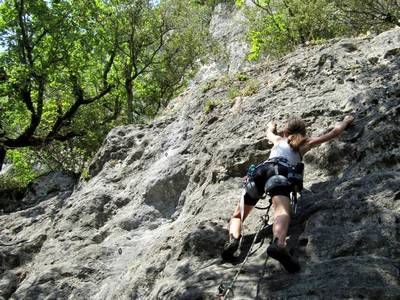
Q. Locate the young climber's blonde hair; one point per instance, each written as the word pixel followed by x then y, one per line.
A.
pixel 295 131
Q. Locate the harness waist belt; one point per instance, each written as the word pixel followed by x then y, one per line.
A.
pixel 280 160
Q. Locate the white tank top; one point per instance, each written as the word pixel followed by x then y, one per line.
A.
pixel 283 149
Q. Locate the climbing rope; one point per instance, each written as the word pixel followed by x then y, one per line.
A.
pixel 224 290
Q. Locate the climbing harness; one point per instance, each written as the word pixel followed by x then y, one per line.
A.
pixel 223 289
pixel 251 189
pixel 250 185
pixel 294 179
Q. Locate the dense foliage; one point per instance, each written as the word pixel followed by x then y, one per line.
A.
pixel 277 26
pixel 71 70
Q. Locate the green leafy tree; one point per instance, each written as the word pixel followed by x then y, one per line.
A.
pixel 158 47
pixel 56 61
pixel 279 25
pixel 71 70
pixel 363 15
pixel 181 52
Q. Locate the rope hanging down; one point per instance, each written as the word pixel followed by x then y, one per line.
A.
pixel 224 290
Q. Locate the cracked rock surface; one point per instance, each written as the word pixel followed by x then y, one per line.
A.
pixel 150 223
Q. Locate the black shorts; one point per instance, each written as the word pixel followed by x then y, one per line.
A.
pixel 261 174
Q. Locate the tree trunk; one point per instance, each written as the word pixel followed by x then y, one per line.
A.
pixel 129 99
pixel 2 156
pixel 129 93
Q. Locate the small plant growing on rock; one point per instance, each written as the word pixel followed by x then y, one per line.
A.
pixel 210 104
pixel 85 175
pixel 223 81
pixel 251 88
pixel 355 68
pixel 242 76
pixel 233 92
pixel 205 87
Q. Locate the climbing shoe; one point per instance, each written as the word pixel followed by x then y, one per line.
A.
pixel 282 255
pixel 230 248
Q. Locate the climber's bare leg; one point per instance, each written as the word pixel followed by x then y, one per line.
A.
pixel 234 224
pixel 281 218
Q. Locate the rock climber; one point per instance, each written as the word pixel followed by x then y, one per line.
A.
pixel 272 177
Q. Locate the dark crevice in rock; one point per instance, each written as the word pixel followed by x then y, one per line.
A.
pixel 103 210
pixel 197 242
pixel 16 254
pixel 11 200
pixel 9 282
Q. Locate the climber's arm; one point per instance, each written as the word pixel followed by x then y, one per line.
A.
pixel 335 132
pixel 271 133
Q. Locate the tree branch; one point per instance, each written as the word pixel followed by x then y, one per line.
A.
pixel 34 141
pixel 268 9
pixel 102 93
pixel 110 62
pixel 80 99
pixel 40 37
pixel 116 111
pixel 67 136
pixel 256 3
pixel 300 30
pixel 152 56
pixel 35 115
pixel 25 44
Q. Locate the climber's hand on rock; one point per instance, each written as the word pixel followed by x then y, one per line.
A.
pixel 272 126
pixel 348 120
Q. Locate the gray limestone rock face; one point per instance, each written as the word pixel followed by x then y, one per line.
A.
pixel 228 28
pixel 48 185
pixel 150 222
